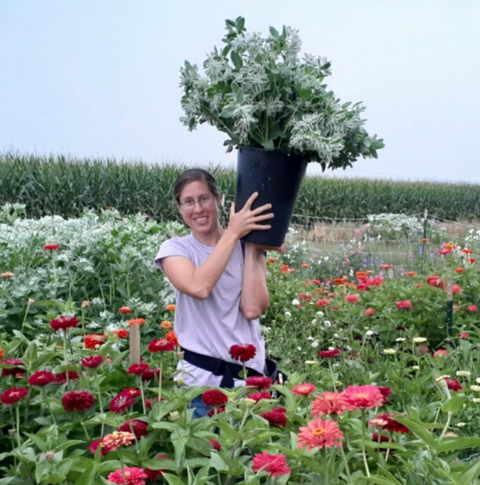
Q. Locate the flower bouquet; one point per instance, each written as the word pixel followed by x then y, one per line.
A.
pixel 275 107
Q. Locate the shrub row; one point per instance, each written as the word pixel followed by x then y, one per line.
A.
pixel 65 186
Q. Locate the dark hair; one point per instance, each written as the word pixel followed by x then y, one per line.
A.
pixel 194 175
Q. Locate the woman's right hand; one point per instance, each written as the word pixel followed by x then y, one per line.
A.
pixel 247 220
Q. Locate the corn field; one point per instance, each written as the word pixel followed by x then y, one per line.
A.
pixel 65 186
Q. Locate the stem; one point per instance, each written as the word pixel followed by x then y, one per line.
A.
pixel 17 414
pixel 332 374
pixel 25 316
pixel 48 405
pixel 347 468
pixel 447 424
pixel 100 403
pixel 142 396
pixel 160 375
pixel 123 466
pixel 367 470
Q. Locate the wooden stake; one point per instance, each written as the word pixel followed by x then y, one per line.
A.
pixel 134 344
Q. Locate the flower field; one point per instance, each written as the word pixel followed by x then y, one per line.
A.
pixel 382 362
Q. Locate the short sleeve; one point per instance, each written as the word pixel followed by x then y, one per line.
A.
pixel 171 247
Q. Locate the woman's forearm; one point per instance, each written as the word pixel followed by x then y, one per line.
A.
pixel 255 298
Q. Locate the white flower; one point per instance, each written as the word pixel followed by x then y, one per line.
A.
pixel 315 344
pixel 415 367
pixel 460 425
pixel 288 314
pixel 400 339
pixel 477 380
pixel 475 388
pixel 463 373
pixel 419 340
pixel 390 351
pixel 295 302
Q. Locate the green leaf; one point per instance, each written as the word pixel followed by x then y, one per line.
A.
pixel 418 429
pixel 217 462
pixel 268 145
pixel 454 404
pixel 88 476
pixel 236 59
pixel 469 474
pixel 173 479
pixel 456 444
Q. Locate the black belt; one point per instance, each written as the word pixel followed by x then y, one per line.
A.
pixel 228 370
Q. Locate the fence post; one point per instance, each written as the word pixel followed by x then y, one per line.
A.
pixel 424 243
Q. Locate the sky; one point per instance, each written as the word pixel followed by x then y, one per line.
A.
pixel 89 78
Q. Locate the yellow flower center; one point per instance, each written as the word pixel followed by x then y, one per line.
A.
pixel 362 395
pixel 318 432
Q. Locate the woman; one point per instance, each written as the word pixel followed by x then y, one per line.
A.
pixel 220 283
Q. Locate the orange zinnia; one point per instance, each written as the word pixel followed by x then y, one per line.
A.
pixel 449 246
pixel 2 353
pixel 459 270
pixel 166 325
pixel 305 265
pixel 136 321
pixel 171 308
pixel 338 281
pixel 361 273
pixel 172 338
pixel 7 275
pixel 411 273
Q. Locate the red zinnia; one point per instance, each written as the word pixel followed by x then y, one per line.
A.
pixel 93 361
pixel 133 476
pixel 95 444
pixel 257 396
pixel 62 323
pixel 404 305
pixel 328 353
pixel 274 465
pixel 391 424
pixel 214 397
pixel 138 369
pixel 304 389
pixel 149 374
pixel 122 401
pixel 160 345
pixel 386 392
pixel 136 426
pixel 12 395
pixel 94 341
pixel 453 384
pixel 365 397
pixel 154 474
pixel 243 352
pixel 215 444
pixel 61 377
pixel 276 417
pixel 41 378
pixel 15 369
pixel 259 382
pixel 77 400
pixel 321 433
pixel 125 309
pixel 51 246
pixel 121 333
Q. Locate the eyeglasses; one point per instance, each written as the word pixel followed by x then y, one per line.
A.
pixel 204 201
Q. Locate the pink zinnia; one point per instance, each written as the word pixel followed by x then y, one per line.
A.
pixel 440 353
pixel 369 312
pixel 133 476
pixel 386 392
pixel 304 389
pixel 321 433
pixel 323 303
pixel 365 397
pixel 328 403
pixel 274 465
pixel 472 308
pixel 404 305
pixel 352 298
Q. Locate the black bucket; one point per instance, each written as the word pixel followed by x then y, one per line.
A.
pixel 276 176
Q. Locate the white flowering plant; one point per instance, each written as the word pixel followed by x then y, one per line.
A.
pixel 261 93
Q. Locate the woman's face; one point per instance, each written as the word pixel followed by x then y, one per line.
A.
pixel 198 207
